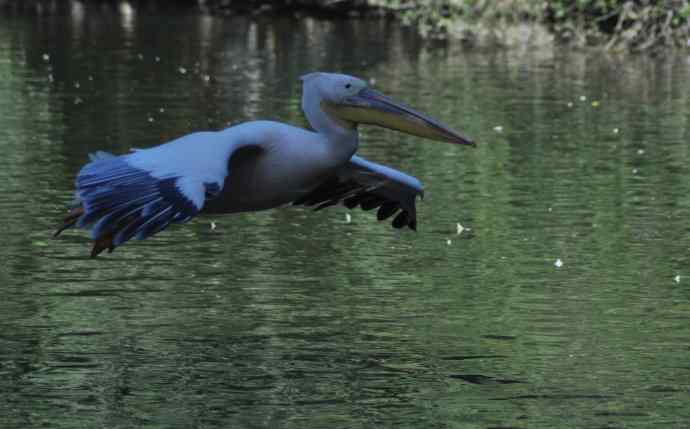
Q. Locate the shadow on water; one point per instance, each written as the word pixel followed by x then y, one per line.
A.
pixel 298 319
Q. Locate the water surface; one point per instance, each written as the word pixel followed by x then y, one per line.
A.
pixel 296 319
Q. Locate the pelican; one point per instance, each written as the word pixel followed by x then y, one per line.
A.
pixel 254 166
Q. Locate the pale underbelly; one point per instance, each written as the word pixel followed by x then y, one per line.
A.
pixel 254 189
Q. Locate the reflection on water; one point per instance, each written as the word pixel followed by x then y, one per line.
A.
pixel 292 318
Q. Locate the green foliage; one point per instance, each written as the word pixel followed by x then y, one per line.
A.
pixel 633 25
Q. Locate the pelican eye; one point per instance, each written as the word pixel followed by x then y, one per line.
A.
pixel 348 85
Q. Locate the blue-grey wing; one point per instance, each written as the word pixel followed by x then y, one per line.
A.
pixel 369 185
pixel 139 194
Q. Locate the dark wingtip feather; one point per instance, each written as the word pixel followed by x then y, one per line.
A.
pixel 326 204
pixel 70 220
pixel 102 243
pixel 62 228
pixel 371 202
pixel 121 201
pixel 352 202
pixel 387 210
pixel 394 198
pixel 401 220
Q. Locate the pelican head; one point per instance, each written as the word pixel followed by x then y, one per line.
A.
pixel 348 101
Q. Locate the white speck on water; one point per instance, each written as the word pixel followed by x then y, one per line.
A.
pixel 51 78
pixel 459 228
pixel 348 218
pixel 78 100
pixel 140 56
pixel 570 104
pixel 76 85
pixel 550 209
pixel 182 70
pixel 640 151
pixel 213 225
pixel 616 131
pixel 162 110
pixel 157 59
pixel 90 78
pixel 677 278
pixel 498 128
pixel 634 171
pixel 558 263
pixel 207 78
pixel 583 98
pixel 372 81
pixel 449 242
pixel 150 119
pixel 46 57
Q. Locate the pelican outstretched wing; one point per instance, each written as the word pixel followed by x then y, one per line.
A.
pixel 141 193
pixel 369 185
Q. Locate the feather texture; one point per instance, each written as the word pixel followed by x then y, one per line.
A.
pixel 369 185
pixel 120 202
pixel 137 195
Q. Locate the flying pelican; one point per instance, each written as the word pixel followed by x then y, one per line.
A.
pixel 256 165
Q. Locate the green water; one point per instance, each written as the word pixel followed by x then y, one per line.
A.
pixel 296 319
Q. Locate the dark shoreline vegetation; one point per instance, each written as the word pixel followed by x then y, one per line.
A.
pixel 614 25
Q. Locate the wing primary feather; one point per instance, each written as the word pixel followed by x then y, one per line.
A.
pixel 401 220
pixel 369 185
pixel 325 205
pixel 137 225
pixel 70 220
pixel 141 193
pixel 354 201
pixel 101 244
pixel 387 210
pixel 371 202
pixel 120 201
